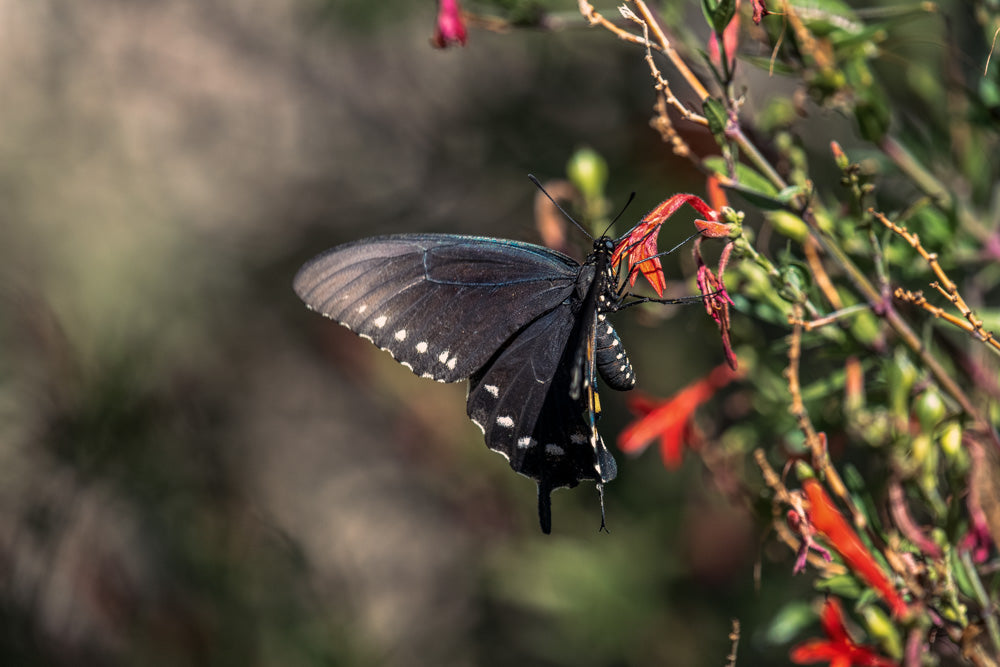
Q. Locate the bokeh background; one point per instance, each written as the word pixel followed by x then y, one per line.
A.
pixel 195 470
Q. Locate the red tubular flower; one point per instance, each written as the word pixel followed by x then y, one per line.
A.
pixel 449 29
pixel 671 420
pixel 640 243
pixel 827 519
pixel 838 648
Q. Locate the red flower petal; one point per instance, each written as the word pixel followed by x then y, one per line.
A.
pixel 639 245
pixel 838 649
pixel 828 520
pixel 670 421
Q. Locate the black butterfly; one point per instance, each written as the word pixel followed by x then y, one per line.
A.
pixel 524 324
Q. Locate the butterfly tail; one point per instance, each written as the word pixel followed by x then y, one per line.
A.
pixel 545 506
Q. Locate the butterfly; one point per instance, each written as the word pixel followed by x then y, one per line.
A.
pixel 525 325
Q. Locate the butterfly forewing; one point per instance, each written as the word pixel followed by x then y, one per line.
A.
pixel 440 304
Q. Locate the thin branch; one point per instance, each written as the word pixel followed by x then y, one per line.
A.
pixel 945 286
pixel 833 317
pixel 734 637
pixel 670 52
pixel 662 84
pixel 595 18
pixel 815 441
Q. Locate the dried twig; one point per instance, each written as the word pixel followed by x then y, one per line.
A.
pixel 662 84
pixel 595 18
pixel 734 637
pixel 815 441
pixel 944 285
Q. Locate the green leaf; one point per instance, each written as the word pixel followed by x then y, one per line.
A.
pixel 746 176
pixel 723 14
pixel 717 118
pixel 789 622
pixel 708 10
pixel 841 585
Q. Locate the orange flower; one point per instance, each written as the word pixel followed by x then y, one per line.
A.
pixel 838 649
pixel 827 519
pixel 671 420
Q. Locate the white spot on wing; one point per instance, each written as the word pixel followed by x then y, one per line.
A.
pixel 578 438
pixel 443 357
pixel 380 321
pixel 524 442
pixel 478 424
pixel 428 376
pixel 366 337
pixel 422 347
pixel 506 421
pixel 363 307
pixel 403 363
pixel 610 330
pixel 554 450
pixel 622 368
pixel 493 390
pixel 400 335
pixel 452 362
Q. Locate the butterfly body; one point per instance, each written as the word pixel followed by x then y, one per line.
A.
pixel 524 324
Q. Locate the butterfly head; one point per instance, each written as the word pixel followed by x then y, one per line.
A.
pixel 605 244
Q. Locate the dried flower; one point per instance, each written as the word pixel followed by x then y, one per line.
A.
pixel 760 10
pixel 717 300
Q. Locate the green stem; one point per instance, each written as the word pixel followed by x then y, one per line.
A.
pixel 756 158
pixel 992 627
pixel 931 186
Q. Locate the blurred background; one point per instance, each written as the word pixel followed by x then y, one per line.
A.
pixel 195 470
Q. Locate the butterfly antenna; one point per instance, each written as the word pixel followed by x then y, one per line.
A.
pixel 556 204
pixel 620 213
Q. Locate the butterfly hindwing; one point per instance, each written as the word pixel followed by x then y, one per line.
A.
pixel 521 400
pixel 440 304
